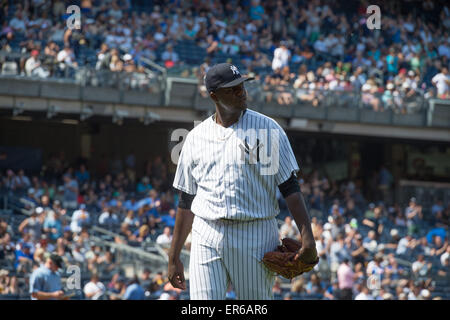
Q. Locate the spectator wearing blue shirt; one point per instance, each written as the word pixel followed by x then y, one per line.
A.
pixel 144 186
pixel 437 207
pixel 256 10
pixel 436 232
pixel 82 175
pixel 31 198
pixel 70 192
pixel 392 62
pixel 24 257
pixel 45 282
pixel 131 204
pixel 169 220
pixel 141 234
pixel 52 225
pixel 134 291
pixel 385 180
pixel 336 210
pixel 316 202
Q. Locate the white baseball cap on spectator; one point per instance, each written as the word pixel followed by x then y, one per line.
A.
pixel 127 57
pixel 366 87
pixel 39 210
pixel 394 232
pixel 164 296
pixel 390 86
pixel 388 296
pixel 425 293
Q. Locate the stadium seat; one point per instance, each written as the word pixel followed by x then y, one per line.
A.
pixel 9 68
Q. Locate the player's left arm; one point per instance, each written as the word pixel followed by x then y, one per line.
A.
pixel 297 207
pixel 286 179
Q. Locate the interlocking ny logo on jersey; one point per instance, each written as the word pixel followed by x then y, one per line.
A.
pixel 234 69
pixel 264 150
pixel 253 153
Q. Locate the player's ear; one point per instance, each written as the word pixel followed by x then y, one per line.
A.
pixel 213 96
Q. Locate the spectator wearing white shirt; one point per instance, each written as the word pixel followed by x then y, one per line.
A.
pixel 80 218
pixel 288 229
pixel 281 57
pixel 66 58
pixel 159 35
pixel 420 267
pixel 155 15
pixel 108 219
pixel 78 254
pixel 101 56
pixel 94 289
pixel 33 66
pixel 442 82
pixel 445 257
pixel 364 294
pixel 165 237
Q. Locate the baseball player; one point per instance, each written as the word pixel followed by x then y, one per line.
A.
pixel 228 196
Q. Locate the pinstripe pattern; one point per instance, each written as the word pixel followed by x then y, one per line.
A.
pixel 224 251
pixel 209 166
pixel 235 203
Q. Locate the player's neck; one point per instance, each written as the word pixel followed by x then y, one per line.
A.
pixel 227 119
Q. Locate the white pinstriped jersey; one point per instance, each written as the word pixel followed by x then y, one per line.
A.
pixel 234 171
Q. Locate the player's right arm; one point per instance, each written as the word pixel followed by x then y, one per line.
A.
pixel 185 182
pixel 183 226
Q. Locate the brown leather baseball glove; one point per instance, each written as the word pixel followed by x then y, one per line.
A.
pixel 290 260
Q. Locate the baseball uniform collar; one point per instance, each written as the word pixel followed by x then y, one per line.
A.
pixel 213 119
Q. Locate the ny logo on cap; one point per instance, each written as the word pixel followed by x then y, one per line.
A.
pixel 234 69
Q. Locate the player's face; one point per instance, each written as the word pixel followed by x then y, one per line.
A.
pixel 232 98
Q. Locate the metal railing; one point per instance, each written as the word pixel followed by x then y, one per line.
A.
pixel 150 78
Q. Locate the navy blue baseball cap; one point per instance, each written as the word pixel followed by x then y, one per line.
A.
pixel 224 75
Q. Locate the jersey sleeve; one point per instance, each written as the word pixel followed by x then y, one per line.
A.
pixel 184 180
pixel 36 283
pixel 287 161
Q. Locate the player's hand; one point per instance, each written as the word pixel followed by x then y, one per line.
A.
pixel 176 274
pixel 58 294
pixel 306 255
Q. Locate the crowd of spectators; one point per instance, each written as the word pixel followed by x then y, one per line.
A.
pixel 64 203
pixel 379 250
pixel 298 49
pixel 376 251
